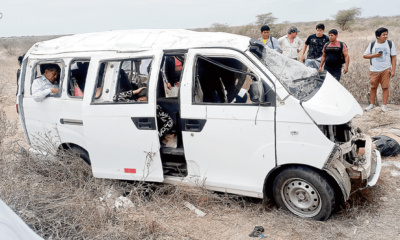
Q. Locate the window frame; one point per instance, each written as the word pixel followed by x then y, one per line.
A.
pixel 69 76
pixel 194 71
pixel 121 60
pixel 62 74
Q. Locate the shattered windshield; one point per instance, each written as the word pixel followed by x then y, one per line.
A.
pixel 298 79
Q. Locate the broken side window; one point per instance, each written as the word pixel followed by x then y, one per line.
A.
pixel 222 80
pixel 77 78
pixel 40 68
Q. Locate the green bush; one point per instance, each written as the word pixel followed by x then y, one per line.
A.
pixel 346 17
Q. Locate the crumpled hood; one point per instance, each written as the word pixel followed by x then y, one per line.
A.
pixel 332 104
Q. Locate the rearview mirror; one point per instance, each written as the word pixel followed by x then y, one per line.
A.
pixel 257 92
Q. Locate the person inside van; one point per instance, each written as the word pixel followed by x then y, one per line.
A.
pixel 46 85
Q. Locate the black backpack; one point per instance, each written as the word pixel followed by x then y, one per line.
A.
pixel 390 50
pixel 343 60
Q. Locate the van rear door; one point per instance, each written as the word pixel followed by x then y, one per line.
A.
pixel 122 137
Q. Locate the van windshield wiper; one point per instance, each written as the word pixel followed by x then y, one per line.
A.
pixel 308 79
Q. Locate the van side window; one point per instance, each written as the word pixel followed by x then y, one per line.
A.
pixel 222 80
pixel 39 69
pixel 77 78
pixel 123 81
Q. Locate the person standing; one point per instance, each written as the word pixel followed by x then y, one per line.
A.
pixel 382 55
pixel 315 43
pixel 290 44
pixel 269 41
pixel 334 55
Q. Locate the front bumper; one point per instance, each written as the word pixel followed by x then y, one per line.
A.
pixel 376 170
pixel 365 171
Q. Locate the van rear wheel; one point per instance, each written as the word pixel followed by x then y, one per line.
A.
pixel 76 150
pixel 304 192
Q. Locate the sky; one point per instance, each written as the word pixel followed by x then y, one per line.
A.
pixel 56 17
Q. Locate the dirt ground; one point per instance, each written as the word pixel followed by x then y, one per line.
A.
pixel 372 213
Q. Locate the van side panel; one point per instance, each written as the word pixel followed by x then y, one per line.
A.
pixel 299 140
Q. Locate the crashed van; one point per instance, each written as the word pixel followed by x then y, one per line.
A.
pixel 248 120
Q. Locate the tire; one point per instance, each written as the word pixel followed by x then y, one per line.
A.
pixel 304 192
pixel 81 153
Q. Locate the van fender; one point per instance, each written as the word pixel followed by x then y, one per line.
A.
pixel 337 171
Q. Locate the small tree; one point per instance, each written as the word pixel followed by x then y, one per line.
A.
pixel 220 27
pixel 346 17
pixel 265 19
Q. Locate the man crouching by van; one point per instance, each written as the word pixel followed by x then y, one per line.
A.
pixel 44 85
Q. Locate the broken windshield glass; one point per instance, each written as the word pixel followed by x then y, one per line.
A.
pixel 299 80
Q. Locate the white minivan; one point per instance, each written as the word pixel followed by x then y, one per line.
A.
pixel 247 120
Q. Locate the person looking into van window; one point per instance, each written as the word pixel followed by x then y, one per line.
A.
pixel 46 85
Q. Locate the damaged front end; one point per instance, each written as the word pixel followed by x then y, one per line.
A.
pixel 353 162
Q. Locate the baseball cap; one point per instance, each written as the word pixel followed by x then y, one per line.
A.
pixel 293 29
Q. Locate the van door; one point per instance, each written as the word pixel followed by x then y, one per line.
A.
pixel 121 133
pixel 228 136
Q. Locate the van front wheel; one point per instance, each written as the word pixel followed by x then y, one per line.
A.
pixel 304 192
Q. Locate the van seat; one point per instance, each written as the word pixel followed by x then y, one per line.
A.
pixel 173 151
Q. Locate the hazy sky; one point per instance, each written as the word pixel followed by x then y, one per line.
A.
pixel 45 17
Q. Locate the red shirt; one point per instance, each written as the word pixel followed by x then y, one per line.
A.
pixel 335 44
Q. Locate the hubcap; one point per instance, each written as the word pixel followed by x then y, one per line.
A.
pixel 301 197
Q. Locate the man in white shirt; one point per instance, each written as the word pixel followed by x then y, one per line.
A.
pixel 382 55
pixel 290 44
pixel 44 85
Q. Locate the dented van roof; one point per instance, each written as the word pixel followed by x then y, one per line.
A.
pixel 139 40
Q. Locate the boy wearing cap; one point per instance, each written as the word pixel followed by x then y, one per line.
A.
pixel 382 55
pixel 290 44
pixel 267 40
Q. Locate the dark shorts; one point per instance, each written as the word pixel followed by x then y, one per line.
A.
pixel 336 73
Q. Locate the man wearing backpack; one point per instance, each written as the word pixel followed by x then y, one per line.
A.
pixel 269 41
pixel 334 55
pixel 382 55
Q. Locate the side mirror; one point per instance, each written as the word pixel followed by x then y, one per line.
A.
pixel 257 92
pixel 256 47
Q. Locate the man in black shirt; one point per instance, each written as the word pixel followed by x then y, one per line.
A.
pixel 316 43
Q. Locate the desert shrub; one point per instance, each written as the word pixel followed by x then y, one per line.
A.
pixel 219 27
pixel 346 17
pixel 265 19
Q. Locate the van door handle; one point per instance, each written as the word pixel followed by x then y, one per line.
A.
pixel 193 125
pixel 144 123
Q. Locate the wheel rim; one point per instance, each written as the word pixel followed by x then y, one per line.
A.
pixel 301 197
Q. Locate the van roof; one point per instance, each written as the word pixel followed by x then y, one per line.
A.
pixel 139 40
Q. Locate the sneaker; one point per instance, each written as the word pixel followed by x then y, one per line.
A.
pixel 384 108
pixel 370 107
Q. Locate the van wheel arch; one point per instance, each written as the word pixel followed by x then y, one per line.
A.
pixel 269 181
pixel 76 148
